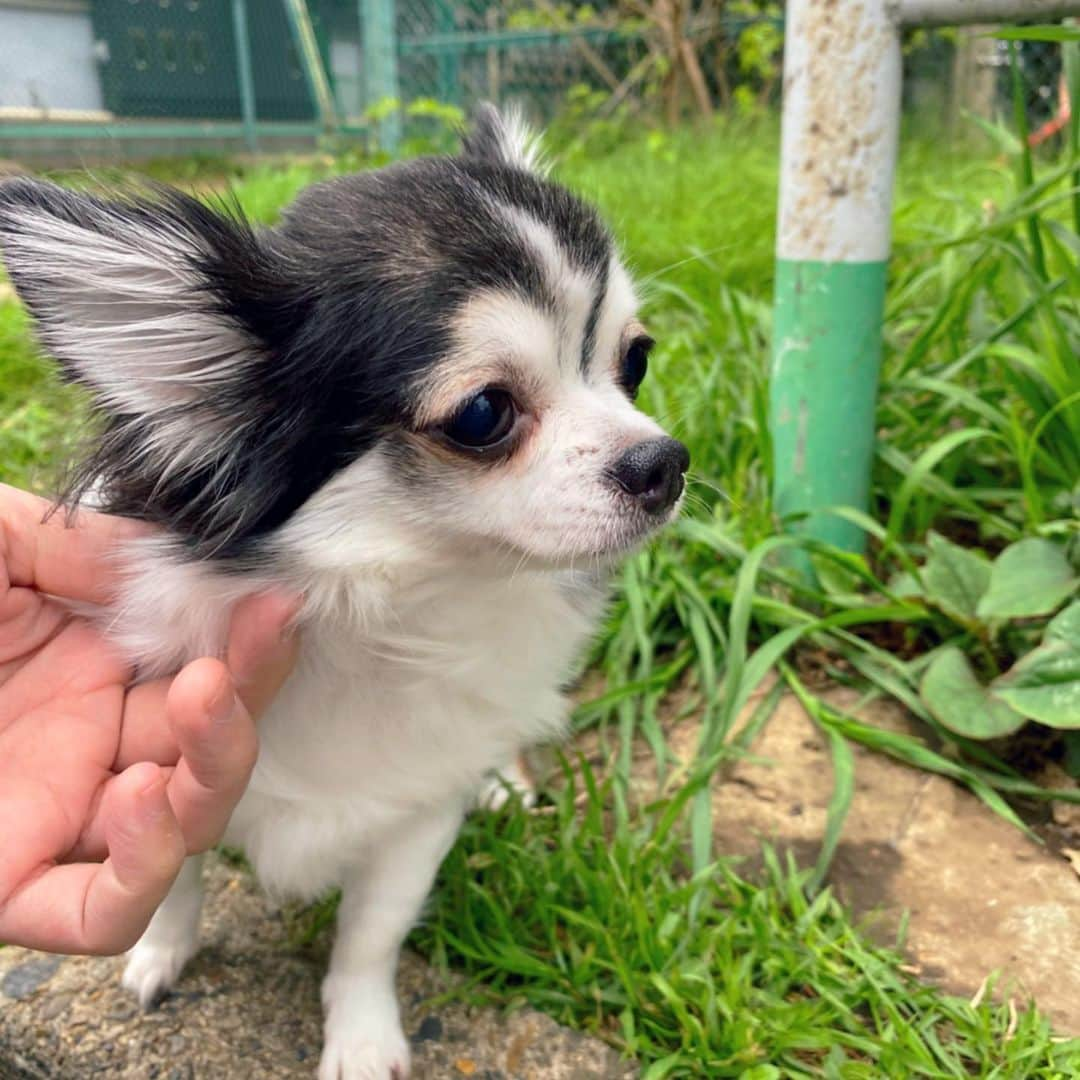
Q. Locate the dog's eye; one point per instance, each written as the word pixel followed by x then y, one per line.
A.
pixel 483 421
pixel 635 364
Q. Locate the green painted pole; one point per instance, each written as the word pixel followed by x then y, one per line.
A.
pixel 244 76
pixel 378 20
pixel 448 61
pixel 838 160
pixel 826 359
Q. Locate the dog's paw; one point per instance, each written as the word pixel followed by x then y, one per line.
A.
pixel 363 1037
pixel 354 1057
pixel 500 787
pixel 152 970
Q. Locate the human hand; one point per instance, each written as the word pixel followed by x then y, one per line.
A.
pixel 106 787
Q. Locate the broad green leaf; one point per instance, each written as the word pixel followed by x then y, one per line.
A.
pixel 1045 684
pixel 955 579
pixel 905 585
pixel 961 703
pixel 1031 577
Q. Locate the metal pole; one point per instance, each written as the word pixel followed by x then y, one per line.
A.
pixel 448 62
pixel 961 12
pixel 838 158
pixel 379 30
pixel 838 162
pixel 243 69
pixel 307 46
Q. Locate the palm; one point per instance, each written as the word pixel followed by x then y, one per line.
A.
pixel 61 716
pixel 105 787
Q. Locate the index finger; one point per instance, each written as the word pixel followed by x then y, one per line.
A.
pixel 53 554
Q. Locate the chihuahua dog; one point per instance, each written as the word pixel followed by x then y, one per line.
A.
pixel 411 401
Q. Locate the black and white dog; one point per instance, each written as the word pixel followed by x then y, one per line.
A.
pixel 413 402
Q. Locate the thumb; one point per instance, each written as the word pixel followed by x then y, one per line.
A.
pixel 262 647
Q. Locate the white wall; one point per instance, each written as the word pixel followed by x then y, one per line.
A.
pixel 47 56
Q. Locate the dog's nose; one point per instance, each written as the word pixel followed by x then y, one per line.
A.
pixel 652 471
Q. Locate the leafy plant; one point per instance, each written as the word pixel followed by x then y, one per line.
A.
pixel 1043 683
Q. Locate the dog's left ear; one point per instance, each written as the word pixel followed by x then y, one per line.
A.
pixel 502 138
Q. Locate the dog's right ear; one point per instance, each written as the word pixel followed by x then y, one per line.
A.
pixel 502 138
pixel 152 303
pixel 179 320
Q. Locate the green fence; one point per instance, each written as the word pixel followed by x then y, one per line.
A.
pixel 87 80
pixel 159 76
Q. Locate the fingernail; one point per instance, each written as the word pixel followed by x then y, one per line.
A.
pixel 222 705
pixel 152 804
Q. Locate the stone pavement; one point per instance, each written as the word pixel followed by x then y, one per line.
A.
pixel 248 1008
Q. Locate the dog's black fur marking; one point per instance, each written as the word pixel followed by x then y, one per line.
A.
pixel 342 309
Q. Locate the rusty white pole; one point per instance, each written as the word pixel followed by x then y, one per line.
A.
pixel 841 127
pixel 838 160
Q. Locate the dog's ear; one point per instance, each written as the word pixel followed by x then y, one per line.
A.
pixel 152 303
pixel 178 319
pixel 502 138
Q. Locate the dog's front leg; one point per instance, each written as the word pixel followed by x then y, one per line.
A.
pixel 381 899
pixel 171 939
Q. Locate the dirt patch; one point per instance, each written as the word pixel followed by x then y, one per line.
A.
pixel 980 896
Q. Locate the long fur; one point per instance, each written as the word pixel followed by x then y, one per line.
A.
pixel 279 403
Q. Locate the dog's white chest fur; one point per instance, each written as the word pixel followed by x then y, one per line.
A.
pixel 404 696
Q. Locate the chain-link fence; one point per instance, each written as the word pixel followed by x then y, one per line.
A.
pixel 92 79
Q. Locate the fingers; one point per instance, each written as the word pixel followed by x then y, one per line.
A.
pixel 262 648
pixel 201 721
pixel 104 908
pixel 260 653
pixel 70 560
pixel 216 738
pixel 211 708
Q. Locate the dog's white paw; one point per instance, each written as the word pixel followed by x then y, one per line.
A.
pixel 501 786
pixel 152 970
pixel 363 1038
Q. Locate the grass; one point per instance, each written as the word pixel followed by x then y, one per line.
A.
pixel 35 409
pixel 617 917
pixel 762 981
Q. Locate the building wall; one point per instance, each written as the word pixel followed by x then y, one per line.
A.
pixel 47 56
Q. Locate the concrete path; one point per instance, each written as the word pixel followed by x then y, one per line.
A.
pixel 248 1008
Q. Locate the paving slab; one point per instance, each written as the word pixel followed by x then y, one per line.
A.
pixel 248 1007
